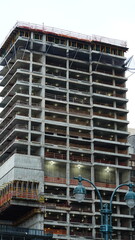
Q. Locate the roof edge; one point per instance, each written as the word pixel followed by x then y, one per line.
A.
pixel 66 33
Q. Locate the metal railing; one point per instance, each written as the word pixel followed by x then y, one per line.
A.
pixel 46 29
pixel 20 231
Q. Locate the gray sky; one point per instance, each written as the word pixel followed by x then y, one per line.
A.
pixel 109 18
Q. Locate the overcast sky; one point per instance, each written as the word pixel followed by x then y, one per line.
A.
pixel 109 18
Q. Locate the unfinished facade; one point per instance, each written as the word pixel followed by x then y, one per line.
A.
pixel 64 114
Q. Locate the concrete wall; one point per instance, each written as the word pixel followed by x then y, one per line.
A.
pixel 22 167
pixel 35 222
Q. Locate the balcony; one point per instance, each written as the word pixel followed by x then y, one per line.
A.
pixel 53 61
pixel 55 95
pixel 55 230
pixel 55 107
pixel 76 232
pixel 102 104
pixel 79 121
pixel 8 125
pixel 79 144
pixel 111 159
pixel 79 133
pixel 79 110
pixel 113 82
pixel 23 104
pixel 76 219
pixel 109 94
pixel 15 146
pixel 55 192
pixel 104 113
pixel 55 84
pixel 55 130
pixel 56 204
pixel 105 160
pixel 56 72
pixel 59 141
pixel 82 207
pixel 55 217
pixel 79 88
pixel 83 157
pixel 16 130
pixel 51 116
pixel 57 48
pixel 101 148
pixel 78 76
pixel 118 138
pixel 79 66
pixel 56 180
pixel 50 153
pixel 107 69
pixel 79 99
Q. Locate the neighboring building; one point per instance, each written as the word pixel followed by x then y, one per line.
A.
pixel 131 131
pixel 64 114
pixel 131 140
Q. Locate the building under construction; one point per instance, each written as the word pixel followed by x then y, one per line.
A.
pixel 63 114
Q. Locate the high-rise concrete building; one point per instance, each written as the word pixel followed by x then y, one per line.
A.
pixel 131 140
pixel 63 114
